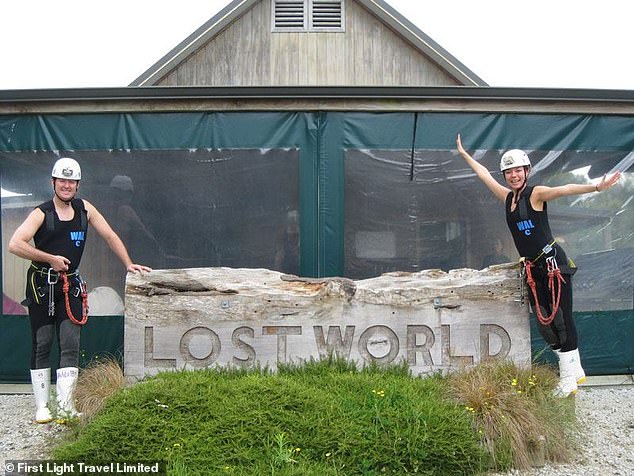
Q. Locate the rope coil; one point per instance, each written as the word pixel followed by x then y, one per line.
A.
pixel 553 273
pixel 84 300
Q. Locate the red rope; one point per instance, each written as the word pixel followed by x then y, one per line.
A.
pixel 552 273
pixel 84 301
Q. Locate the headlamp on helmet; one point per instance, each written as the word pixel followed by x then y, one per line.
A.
pixel 514 158
pixel 66 168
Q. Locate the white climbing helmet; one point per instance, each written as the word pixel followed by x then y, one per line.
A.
pixel 66 168
pixel 514 158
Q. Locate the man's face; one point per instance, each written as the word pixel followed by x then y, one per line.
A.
pixel 65 189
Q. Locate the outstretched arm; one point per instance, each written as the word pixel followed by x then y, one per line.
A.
pixel 542 193
pixel 102 227
pixel 483 174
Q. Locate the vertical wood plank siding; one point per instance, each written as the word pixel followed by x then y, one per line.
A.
pixel 247 53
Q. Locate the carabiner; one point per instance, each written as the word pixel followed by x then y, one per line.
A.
pixel 551 264
pixel 49 276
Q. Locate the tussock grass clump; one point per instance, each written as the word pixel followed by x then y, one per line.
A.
pixel 101 379
pixel 321 418
pixel 515 413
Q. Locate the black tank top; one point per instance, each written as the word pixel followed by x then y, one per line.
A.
pixel 67 238
pixel 531 233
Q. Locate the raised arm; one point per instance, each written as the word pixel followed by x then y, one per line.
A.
pixel 542 193
pixel 499 190
pixel 99 223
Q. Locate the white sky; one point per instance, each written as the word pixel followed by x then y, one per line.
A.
pixel 536 43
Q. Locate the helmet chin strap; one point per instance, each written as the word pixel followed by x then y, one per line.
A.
pixel 67 202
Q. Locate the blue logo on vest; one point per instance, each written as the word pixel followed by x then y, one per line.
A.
pixel 77 237
pixel 526 226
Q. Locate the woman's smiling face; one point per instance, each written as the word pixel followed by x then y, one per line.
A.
pixel 515 177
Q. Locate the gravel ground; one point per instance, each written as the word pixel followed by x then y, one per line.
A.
pixel 20 437
pixel 607 414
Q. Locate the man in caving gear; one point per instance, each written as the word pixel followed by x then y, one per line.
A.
pixel 547 268
pixel 55 292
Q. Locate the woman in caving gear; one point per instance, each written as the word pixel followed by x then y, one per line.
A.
pixel 549 272
pixel 58 229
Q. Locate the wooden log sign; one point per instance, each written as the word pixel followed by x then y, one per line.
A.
pixel 433 320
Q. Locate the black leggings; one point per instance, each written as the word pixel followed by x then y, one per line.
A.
pixel 561 333
pixel 43 326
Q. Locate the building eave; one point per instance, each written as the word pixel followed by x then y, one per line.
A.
pixel 451 98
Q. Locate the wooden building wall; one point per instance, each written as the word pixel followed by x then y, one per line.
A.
pixel 248 53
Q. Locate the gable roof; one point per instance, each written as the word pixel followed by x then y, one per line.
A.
pixel 384 12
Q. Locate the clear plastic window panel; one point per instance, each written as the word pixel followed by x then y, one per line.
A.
pixel 428 210
pixel 172 209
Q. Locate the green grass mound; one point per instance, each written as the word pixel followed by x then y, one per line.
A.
pixel 322 418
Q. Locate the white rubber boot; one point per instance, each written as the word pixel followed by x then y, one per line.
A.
pixel 580 374
pixel 66 382
pixel 567 380
pixel 41 381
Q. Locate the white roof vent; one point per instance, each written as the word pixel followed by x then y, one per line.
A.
pixel 289 14
pixel 327 14
pixel 308 15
